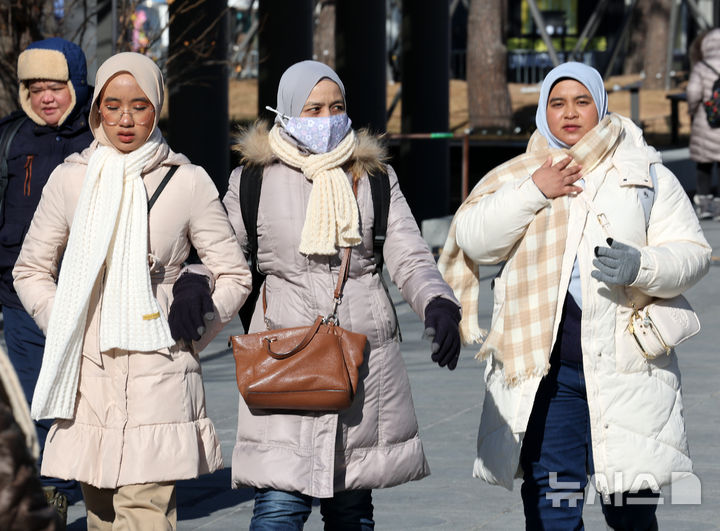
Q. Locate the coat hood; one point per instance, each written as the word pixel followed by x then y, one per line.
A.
pixel 252 143
pixel 58 60
pixel 711 46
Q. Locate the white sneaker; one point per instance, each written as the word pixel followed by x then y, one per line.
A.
pixel 704 206
pixel 716 208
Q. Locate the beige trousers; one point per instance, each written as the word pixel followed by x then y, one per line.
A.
pixel 148 506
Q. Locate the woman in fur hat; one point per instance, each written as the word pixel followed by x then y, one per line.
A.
pixel 51 125
pixel 121 372
pixel 307 216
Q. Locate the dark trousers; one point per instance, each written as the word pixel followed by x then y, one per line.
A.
pixel 704 178
pixel 25 345
pixel 556 457
pixel 277 510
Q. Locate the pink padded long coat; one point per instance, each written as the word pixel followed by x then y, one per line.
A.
pixel 375 443
pixel 139 417
pixel 704 140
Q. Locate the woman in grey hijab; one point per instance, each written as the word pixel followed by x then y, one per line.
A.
pixel 308 214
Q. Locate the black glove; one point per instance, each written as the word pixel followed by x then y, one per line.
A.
pixel 191 306
pixel 441 327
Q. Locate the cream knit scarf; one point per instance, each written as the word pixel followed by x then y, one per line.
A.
pixel 521 336
pixel 332 218
pixel 109 227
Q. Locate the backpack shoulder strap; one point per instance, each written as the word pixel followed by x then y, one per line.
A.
pixel 6 139
pixel 647 197
pixel 710 67
pixel 380 189
pixel 250 187
pixel 161 186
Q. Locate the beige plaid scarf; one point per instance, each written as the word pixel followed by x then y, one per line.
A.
pixel 521 337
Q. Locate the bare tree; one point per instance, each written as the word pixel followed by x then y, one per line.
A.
pixel 21 22
pixel 26 21
pixel 324 32
pixel 488 94
pixel 647 49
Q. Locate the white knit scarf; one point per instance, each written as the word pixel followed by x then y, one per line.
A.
pixel 110 227
pixel 332 218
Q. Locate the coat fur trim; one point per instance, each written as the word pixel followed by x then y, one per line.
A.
pixel 42 63
pixel 369 155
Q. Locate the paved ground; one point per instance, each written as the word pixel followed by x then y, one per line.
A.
pixel 448 407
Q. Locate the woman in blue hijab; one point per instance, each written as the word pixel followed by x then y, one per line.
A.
pixel 589 225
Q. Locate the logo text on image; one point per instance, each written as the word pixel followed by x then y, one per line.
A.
pixel 685 489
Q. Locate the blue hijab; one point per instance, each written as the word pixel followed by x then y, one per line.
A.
pixel 580 72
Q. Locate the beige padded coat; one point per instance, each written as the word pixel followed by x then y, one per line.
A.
pixel 375 443
pixel 139 417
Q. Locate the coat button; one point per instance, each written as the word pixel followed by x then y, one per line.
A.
pixel 58 139
pixel 606 426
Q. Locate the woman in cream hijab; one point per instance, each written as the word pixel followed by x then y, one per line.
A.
pixel 120 371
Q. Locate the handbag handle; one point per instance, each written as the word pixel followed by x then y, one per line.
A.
pixel 303 343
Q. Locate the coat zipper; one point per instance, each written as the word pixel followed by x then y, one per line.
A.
pixel 28 175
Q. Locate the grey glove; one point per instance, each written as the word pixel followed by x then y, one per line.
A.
pixel 618 264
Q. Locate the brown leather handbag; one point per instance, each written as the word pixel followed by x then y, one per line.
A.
pixel 310 368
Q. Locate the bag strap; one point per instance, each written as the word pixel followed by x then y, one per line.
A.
pixel 342 277
pixel 161 187
pixel 710 67
pixel 380 190
pixel 249 193
pixel 249 197
pixel 5 141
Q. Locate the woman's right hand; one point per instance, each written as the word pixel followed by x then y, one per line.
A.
pixel 555 180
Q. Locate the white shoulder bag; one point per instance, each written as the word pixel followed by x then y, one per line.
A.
pixel 662 324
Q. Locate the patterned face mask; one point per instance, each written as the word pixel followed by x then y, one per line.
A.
pixel 317 134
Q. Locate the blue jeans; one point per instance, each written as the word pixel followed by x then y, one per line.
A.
pixel 556 458
pixel 277 510
pixel 25 345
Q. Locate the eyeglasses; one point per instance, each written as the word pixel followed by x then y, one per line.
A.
pixel 140 114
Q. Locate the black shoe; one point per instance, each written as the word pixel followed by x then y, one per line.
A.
pixel 58 501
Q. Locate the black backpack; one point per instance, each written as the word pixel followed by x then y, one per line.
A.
pixel 250 185
pixel 712 105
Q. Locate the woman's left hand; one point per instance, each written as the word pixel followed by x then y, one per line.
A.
pixel 442 318
pixel 192 305
pixel 618 264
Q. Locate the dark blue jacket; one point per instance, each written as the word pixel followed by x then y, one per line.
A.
pixel 34 153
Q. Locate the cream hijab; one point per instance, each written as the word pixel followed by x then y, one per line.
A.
pixel 146 73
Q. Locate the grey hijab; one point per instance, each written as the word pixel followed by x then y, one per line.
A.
pixel 296 84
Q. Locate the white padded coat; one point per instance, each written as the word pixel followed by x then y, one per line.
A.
pixel 635 406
